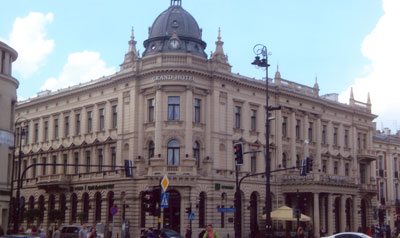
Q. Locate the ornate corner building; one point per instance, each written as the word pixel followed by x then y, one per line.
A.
pixel 8 99
pixel 176 111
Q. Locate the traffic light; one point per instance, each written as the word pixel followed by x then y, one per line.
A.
pixel 189 210
pixel 128 168
pixel 147 200
pixel 238 148
pixel 308 165
pixel 303 168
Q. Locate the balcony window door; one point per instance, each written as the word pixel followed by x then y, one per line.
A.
pixel 173 153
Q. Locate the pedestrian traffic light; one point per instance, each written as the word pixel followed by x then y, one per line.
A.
pixel 128 168
pixel 308 165
pixel 188 210
pixel 238 148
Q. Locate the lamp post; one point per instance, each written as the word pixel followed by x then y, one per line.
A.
pixel 261 60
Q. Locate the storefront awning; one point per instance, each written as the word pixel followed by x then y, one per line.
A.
pixel 285 213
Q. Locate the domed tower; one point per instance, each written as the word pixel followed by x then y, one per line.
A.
pixel 8 92
pixel 175 30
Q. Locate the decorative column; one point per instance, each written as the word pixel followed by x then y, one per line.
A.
pixel 355 213
pixel 330 215
pixel 342 213
pixel 316 215
pixel 158 118
pixel 292 134
pixel 189 122
pixel 278 138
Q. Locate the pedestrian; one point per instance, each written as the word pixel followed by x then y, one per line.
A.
pixel 42 233
pixel 57 233
pixel 83 232
pixel 210 233
pixel 188 231
pixel 300 232
pixel 150 233
pixel 93 233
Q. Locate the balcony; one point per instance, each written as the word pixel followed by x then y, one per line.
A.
pixel 366 156
pixel 56 182
pixel 369 188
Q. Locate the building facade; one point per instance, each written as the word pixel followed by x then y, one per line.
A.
pixel 176 111
pixel 8 99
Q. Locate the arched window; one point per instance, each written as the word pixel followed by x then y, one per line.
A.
pixel 110 200
pixel 63 206
pixel 85 200
pixel 151 149
pixel 284 160
pixel 52 204
pixel 297 160
pixel 196 153
pixel 22 209
pixel 31 202
pixel 41 208
pixel 97 214
pixel 202 209
pixel 173 152
pixel 74 207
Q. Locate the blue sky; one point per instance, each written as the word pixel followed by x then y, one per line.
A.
pixel 346 43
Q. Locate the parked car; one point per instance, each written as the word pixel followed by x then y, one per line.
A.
pixel 72 231
pixel 348 235
pixel 163 233
pixel 20 236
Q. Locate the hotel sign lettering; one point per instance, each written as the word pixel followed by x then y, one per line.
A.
pixel 92 187
pixel 188 78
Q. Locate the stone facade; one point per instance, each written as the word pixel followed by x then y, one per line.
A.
pixel 8 98
pixel 177 113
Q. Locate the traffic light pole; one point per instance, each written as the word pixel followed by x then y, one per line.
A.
pixel 238 206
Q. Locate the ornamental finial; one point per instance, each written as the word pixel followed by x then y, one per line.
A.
pixel 176 3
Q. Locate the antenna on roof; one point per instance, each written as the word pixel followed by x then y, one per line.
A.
pixel 176 3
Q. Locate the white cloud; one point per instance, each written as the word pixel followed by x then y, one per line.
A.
pixel 81 67
pixel 28 38
pixel 382 48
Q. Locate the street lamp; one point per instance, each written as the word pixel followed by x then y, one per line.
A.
pixel 261 60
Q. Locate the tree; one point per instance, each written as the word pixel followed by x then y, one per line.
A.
pixel 32 214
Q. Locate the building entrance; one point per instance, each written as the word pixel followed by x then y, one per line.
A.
pixel 172 214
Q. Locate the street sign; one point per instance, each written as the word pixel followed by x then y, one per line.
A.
pixel 222 209
pixel 191 216
pixel 113 210
pixel 164 200
pixel 164 183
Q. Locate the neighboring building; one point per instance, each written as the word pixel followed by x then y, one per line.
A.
pixel 8 99
pixel 178 112
pixel 387 148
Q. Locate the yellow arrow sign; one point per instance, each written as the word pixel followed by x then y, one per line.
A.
pixel 164 183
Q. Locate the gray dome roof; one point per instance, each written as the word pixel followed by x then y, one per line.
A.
pixel 175 20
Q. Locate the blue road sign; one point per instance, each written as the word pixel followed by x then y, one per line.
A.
pixel 191 216
pixel 164 200
pixel 113 210
pixel 222 209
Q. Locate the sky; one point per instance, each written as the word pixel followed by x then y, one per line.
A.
pixel 341 43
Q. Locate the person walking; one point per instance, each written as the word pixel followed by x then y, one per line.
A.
pixel 93 233
pixel 83 232
pixel 42 233
pixel 150 233
pixel 300 232
pixel 188 231
pixel 57 233
pixel 210 233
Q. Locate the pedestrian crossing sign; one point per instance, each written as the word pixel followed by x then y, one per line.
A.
pixel 164 200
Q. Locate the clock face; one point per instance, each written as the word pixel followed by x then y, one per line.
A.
pixel 174 44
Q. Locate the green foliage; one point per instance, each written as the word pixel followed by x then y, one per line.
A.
pixel 32 214
pixel 55 215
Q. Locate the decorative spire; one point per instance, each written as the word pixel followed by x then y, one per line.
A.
pixel 369 99
pixel 277 73
pixel 316 86
pixel 219 55
pixel 132 54
pixel 352 102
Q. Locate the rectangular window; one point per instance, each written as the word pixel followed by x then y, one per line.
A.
pixel 46 130
pixel 197 103
pixel 324 164
pixel 101 119
pixel 34 169
pixel 100 154
pixel 364 141
pixel 253 120
pixel 77 124
pixel 284 126
pixel 151 109
pixel 335 167
pixel 36 132
pixel 76 159
pixel 87 161
pixel 359 141
pixel 237 117
pixel 55 128
pixel 54 164
pixel 44 161
pixel 346 138
pixel 323 139
pixel 310 131
pixel 113 158
pixel 298 129
pixel 89 121
pixel 26 131
pixel 335 133
pixel 362 174
pixel 66 126
pixel 173 108
pixel 253 161
pixel 114 116
pixel 347 169
pixel 65 161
